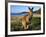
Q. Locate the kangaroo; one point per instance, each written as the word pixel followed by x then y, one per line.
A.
pixel 26 19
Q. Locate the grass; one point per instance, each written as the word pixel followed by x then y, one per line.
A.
pixel 35 24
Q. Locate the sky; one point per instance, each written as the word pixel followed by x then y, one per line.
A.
pixel 20 8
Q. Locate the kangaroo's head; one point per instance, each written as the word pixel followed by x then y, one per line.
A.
pixel 31 9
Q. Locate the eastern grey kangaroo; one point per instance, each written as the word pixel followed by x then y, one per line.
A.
pixel 26 19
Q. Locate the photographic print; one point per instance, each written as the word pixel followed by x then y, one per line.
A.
pixel 25 18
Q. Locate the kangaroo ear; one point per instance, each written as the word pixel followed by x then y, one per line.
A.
pixel 32 8
pixel 29 8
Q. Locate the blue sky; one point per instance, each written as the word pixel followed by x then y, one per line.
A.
pixel 19 9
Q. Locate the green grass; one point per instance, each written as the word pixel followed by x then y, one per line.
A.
pixel 35 24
